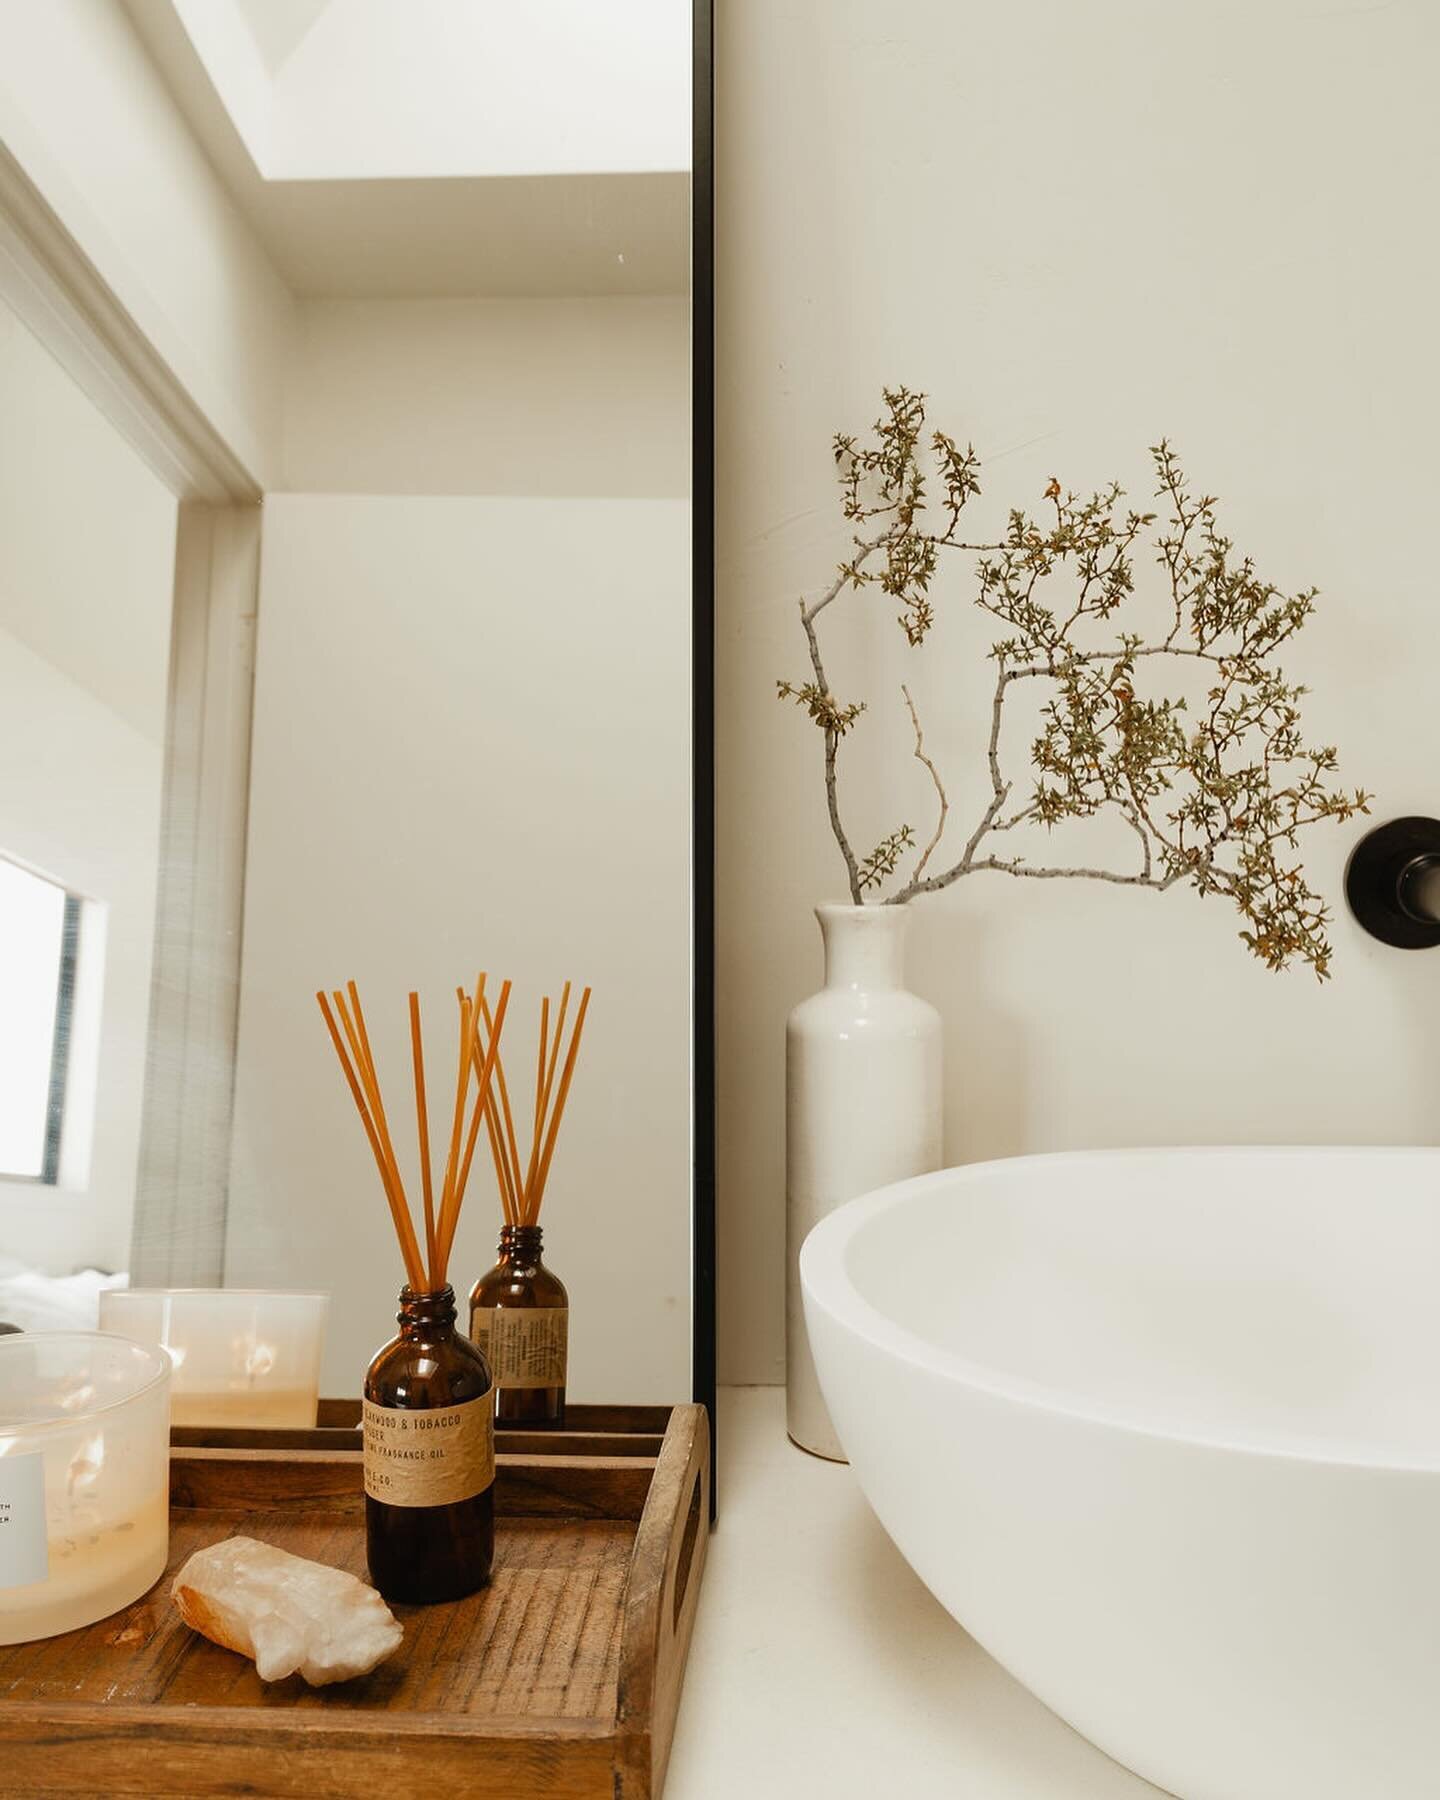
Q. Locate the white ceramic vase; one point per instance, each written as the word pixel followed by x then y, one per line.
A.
pixel 863 1108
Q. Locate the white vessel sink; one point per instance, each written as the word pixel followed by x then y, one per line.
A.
pixel 1161 1429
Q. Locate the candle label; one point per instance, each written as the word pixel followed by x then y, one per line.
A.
pixel 433 1458
pixel 525 1346
pixel 24 1552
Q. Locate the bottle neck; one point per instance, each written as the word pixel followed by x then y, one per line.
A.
pixel 864 946
pixel 426 1316
pixel 520 1245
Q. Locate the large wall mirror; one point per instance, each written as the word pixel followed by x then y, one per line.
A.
pixel 350 628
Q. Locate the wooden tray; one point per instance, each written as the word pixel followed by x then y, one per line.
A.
pixel 589 1431
pixel 561 1679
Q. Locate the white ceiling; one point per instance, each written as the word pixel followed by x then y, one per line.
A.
pixel 460 88
pixel 396 202
pixel 278 26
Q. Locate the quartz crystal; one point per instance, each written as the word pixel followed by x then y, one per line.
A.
pixel 285 1612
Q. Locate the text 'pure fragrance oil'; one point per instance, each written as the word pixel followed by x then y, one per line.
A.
pixel 429 1444
pixel 519 1310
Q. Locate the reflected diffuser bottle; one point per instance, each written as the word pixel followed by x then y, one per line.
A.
pixel 429 1457
pixel 520 1317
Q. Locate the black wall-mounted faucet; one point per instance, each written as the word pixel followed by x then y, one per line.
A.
pixel 1392 882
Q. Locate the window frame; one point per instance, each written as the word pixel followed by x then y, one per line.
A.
pixel 60 1043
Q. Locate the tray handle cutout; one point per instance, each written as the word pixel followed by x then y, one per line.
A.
pixel 687 1549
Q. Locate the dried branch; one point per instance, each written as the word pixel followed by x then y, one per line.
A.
pixel 832 718
pixel 940 795
pixel 1016 867
pixel 1236 777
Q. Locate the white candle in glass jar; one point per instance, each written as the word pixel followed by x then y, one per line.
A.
pixel 84 1479
pixel 241 1356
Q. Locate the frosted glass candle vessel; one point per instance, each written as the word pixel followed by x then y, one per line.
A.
pixel 241 1356
pixel 84 1479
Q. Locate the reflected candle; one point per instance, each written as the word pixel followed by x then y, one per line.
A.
pixel 241 1356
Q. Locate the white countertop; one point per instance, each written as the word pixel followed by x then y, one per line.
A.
pixel 822 1666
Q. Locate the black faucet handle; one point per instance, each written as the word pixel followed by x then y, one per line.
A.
pixel 1392 883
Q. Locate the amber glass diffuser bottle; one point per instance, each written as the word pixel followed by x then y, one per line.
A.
pixel 429 1458
pixel 519 1317
pixel 429 1437
pixel 519 1311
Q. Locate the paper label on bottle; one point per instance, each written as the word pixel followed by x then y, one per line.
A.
pixel 433 1458
pixel 24 1550
pixel 525 1346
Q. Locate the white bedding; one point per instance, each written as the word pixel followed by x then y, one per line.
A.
pixel 38 1302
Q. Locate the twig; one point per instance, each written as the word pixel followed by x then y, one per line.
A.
pixel 863 551
pixel 1132 818
pixel 1000 794
pixel 832 746
pixel 920 756
pixel 1033 874
pixel 809 612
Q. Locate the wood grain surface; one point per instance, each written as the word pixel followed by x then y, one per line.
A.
pixel 561 1679
pixel 589 1431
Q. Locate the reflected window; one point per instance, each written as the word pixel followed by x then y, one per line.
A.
pixel 39 930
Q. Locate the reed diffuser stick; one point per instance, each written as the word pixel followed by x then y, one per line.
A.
pixel 485 1073
pixel 502 1166
pixel 522 1192
pixel 377 1099
pixel 543 1108
pixel 533 1198
pixel 471 1138
pixel 345 1021
pixel 365 1069
pixel 511 1145
pixel 540 1054
pixel 462 1077
pixel 422 1126
pixel 409 1249
pixel 508 1172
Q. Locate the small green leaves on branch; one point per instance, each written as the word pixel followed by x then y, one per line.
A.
pixel 886 481
pixel 884 859
pixel 821 705
pixel 1215 781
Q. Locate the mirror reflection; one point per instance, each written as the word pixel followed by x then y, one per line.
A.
pixel 398 696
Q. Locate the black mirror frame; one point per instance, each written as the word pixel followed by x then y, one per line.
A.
pixel 702 490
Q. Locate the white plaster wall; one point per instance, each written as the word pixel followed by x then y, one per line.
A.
pixel 87 542
pixel 587 397
pixel 486 562
pixel 88 117
pixel 1078 227
pixel 471 748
